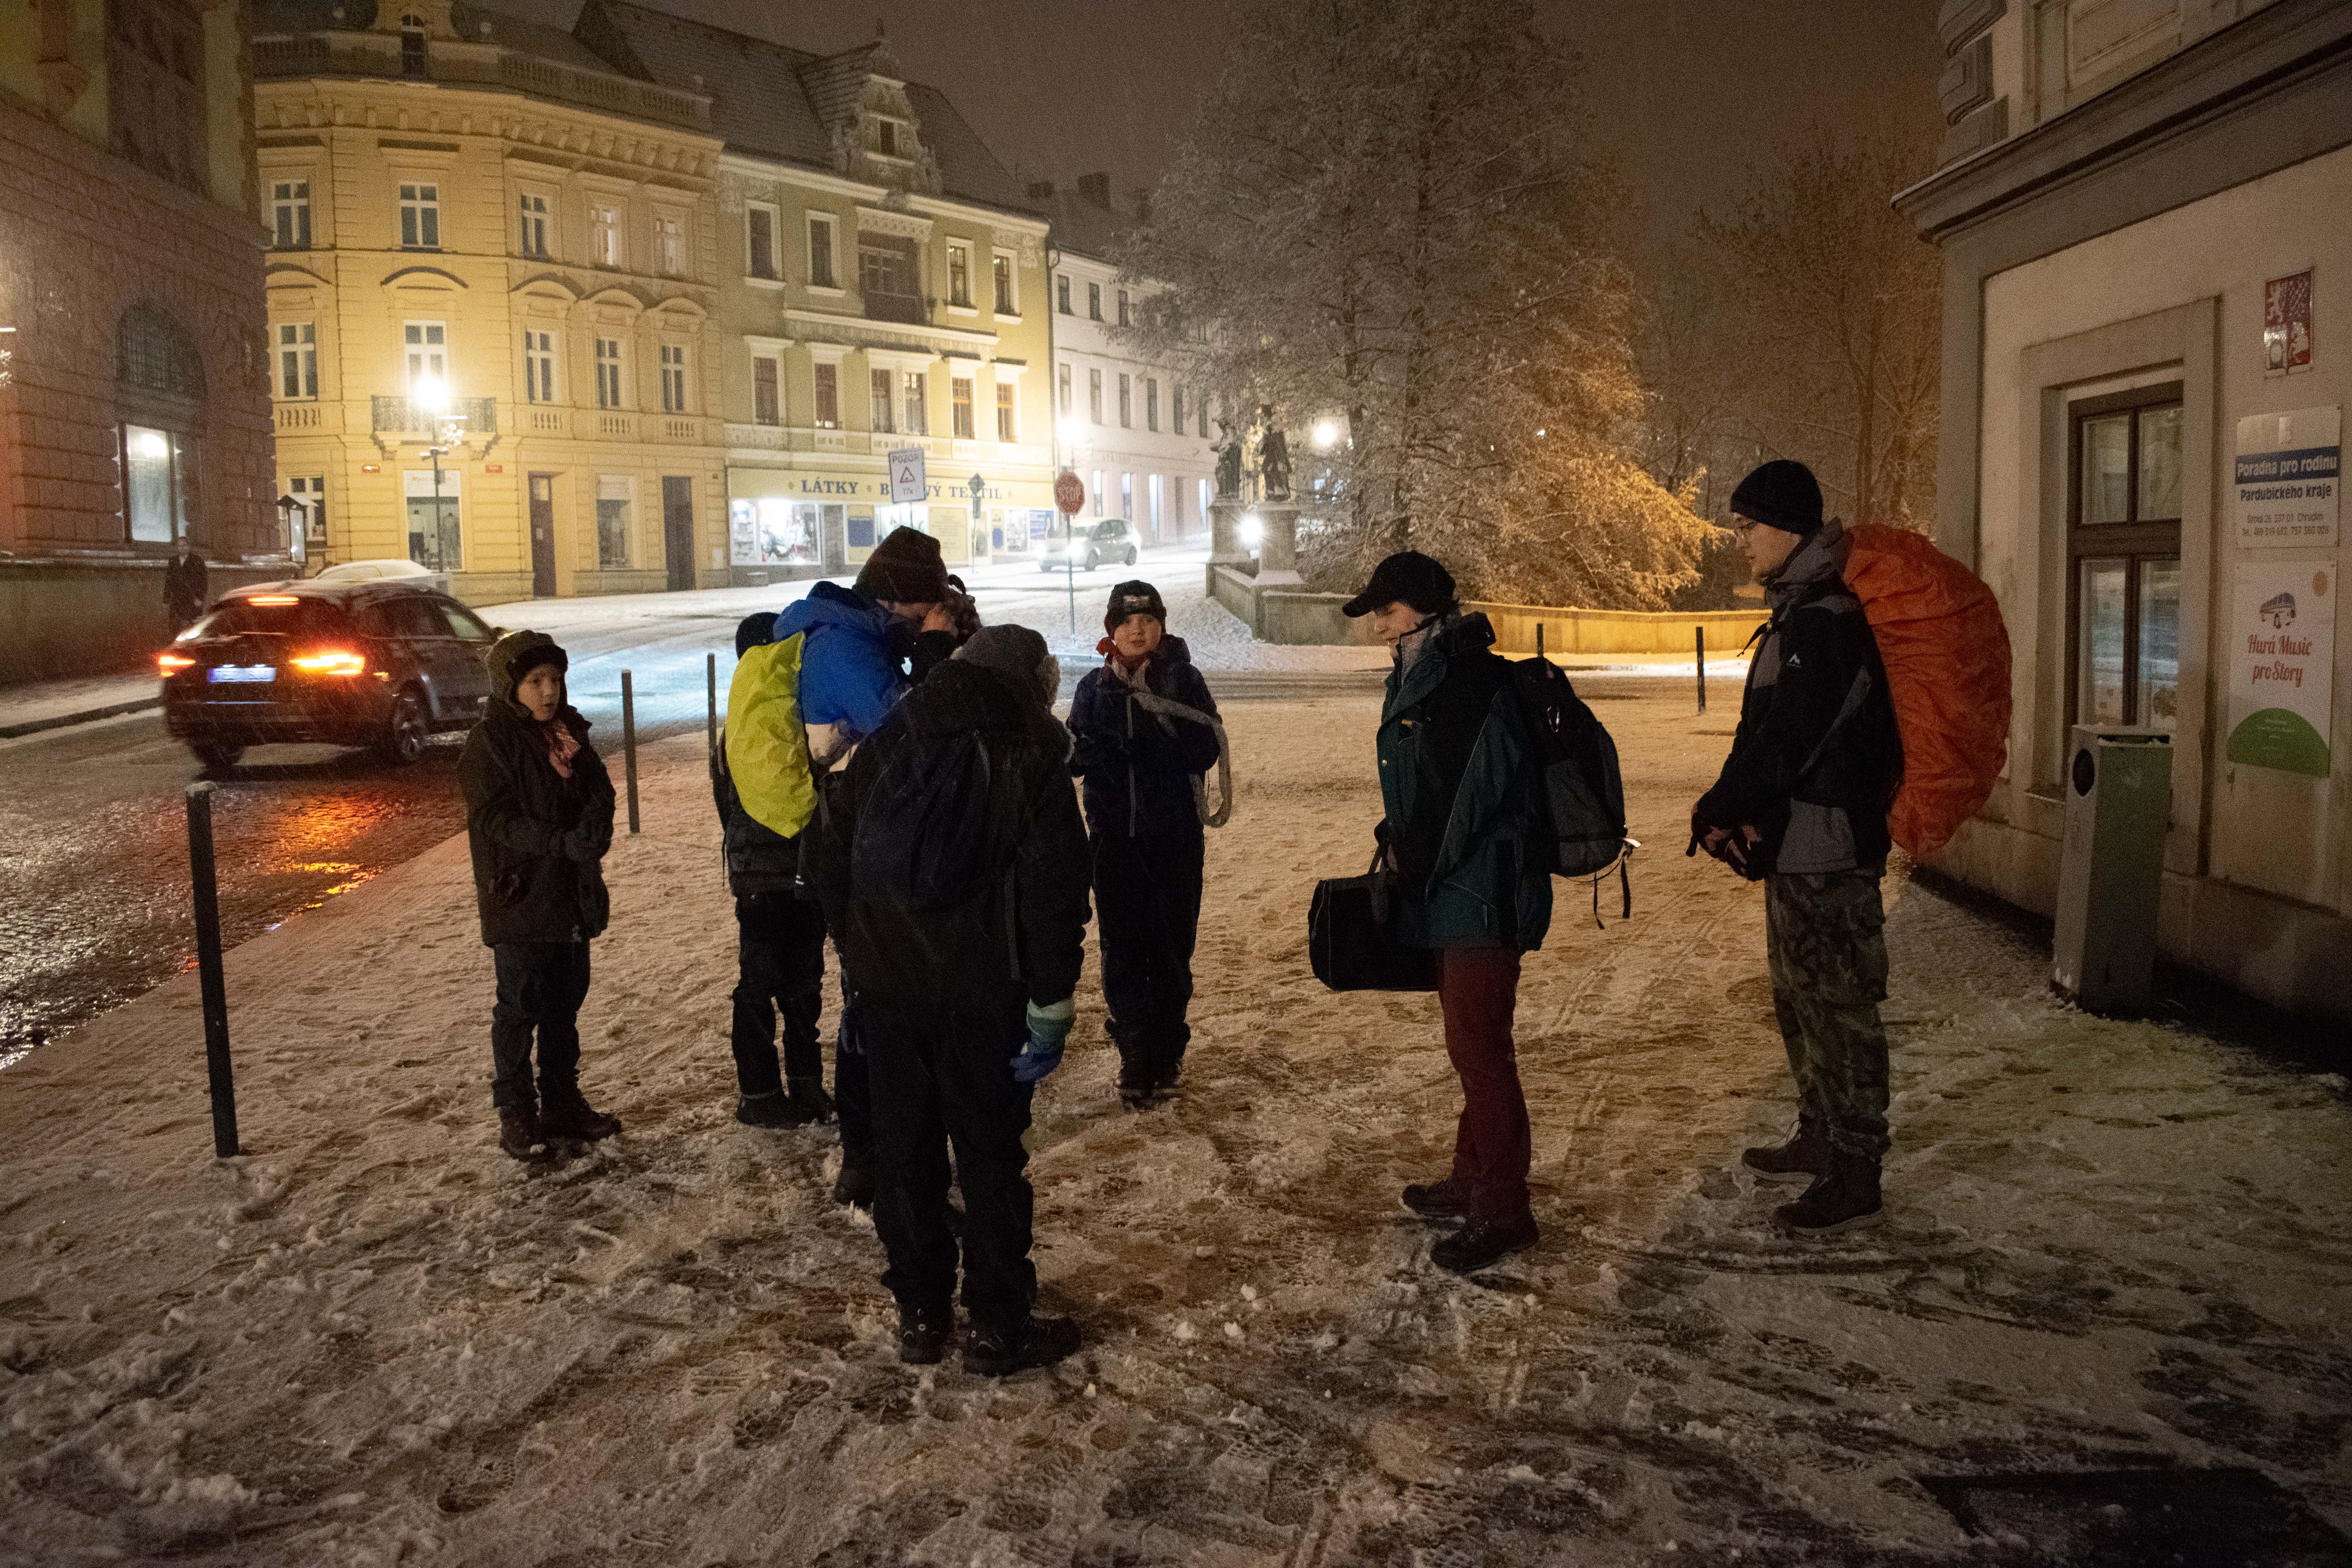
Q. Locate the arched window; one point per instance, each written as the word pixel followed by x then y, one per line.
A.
pixel 160 387
pixel 412 46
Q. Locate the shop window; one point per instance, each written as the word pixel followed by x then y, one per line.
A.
pixel 613 494
pixel 2123 548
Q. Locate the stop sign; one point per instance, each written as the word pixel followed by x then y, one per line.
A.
pixel 1068 493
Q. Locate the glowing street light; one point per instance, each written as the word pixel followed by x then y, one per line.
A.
pixel 1327 435
pixel 1253 529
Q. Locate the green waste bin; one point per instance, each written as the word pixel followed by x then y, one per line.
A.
pixel 2118 807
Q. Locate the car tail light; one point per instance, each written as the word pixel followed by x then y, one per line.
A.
pixel 172 663
pixel 334 662
pixel 273 599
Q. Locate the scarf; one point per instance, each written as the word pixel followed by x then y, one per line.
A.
pixel 563 745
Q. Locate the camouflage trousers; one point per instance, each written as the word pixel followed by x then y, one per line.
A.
pixel 1827 937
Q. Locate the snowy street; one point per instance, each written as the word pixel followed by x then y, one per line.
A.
pixel 373 1339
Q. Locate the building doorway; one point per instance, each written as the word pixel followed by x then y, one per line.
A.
pixel 542 536
pixel 678 530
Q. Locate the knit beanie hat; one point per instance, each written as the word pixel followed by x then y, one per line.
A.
pixel 1781 494
pixel 1134 598
pixel 757 629
pixel 905 569
pixel 1020 656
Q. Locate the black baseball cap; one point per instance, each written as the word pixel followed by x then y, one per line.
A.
pixel 1408 577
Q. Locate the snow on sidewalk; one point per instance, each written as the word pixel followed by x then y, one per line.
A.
pixel 373 1339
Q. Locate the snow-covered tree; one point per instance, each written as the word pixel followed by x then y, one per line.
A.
pixel 1385 217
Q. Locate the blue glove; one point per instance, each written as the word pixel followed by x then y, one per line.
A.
pixel 1041 1053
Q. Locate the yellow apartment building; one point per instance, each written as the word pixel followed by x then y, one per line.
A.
pixel 494 341
pixel 882 285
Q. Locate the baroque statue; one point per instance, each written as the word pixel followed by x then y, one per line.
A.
pixel 1274 457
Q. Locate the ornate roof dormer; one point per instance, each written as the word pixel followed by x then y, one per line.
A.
pixel 870 122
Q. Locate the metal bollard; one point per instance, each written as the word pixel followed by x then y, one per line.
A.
pixel 710 725
pixel 202 876
pixel 1702 668
pixel 629 743
pixel 1539 652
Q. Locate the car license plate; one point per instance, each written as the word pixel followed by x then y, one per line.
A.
pixel 223 674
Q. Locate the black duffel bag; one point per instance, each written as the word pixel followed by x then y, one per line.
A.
pixel 1351 943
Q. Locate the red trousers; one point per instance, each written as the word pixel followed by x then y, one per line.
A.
pixel 1478 989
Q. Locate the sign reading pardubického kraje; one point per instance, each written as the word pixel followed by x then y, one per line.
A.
pixel 2282 666
pixel 2289 478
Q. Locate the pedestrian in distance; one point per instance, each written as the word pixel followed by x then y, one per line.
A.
pixel 1458 772
pixel 1143 732
pixel 1802 806
pixel 778 948
pixel 186 588
pixel 539 818
pixel 952 863
pixel 857 641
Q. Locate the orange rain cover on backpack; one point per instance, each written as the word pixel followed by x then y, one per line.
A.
pixel 1946 653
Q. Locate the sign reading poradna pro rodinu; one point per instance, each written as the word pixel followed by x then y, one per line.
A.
pixel 2290 479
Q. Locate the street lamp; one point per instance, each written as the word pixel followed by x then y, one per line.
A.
pixel 431 394
pixel 1327 435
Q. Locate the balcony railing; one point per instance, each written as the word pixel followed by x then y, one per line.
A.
pixel 412 420
pixel 288 57
pixel 910 309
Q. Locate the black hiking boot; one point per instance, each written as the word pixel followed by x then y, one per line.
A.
pixel 1845 1199
pixel 1480 1245
pixel 776 1110
pixel 520 1135
pixel 923 1335
pixel 808 1093
pixel 854 1186
pixel 1436 1200
pixel 569 1115
pixel 1040 1341
pixel 1805 1157
pixel 1134 1065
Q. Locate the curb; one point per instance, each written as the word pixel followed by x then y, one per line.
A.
pixel 61 721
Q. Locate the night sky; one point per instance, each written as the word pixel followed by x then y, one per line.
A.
pixel 1683 91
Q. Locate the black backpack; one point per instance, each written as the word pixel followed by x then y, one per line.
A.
pixel 925 838
pixel 1579 798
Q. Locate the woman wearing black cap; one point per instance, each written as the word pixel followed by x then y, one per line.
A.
pixel 1143 737
pixel 1456 771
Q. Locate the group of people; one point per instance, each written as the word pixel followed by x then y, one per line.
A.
pixel 955 869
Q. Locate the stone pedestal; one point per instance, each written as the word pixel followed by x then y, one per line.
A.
pixel 1278 554
pixel 1225 547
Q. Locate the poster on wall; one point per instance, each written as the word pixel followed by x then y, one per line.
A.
pixel 2282 672
pixel 2289 478
pixel 743 533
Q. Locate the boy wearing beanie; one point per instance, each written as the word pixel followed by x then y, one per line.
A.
pixel 1143 735
pixel 539 818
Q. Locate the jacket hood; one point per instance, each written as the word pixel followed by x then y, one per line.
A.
pixel 831 604
pixel 1820 556
pixel 505 654
pixel 960 696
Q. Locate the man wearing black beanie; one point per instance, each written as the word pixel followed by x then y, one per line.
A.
pixel 1802 806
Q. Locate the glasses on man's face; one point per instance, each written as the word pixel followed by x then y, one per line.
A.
pixel 1742 526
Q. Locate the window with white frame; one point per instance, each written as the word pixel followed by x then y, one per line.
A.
pixel 673 378
pixel 884 421
pixel 615 492
pixel 1062 295
pixel 1007 304
pixel 917 386
pixel 428 345
pixel 604 234
pixel 893 138
pixel 297 360
pixel 669 244
pixel 1062 386
pixel 760 240
pixel 1126 401
pixel 822 271
pixel 311 517
pixel 959 407
pixel 1152 403
pixel 531 234
pixel 826 413
pixel 767 391
pixel 608 372
pixel 538 366
pixel 1008 411
pixel 960 274
pixel 289 212
pixel 420 216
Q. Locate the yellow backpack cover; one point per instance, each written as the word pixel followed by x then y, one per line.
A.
pixel 767 747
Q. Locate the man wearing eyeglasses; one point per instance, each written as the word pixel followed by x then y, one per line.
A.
pixel 1802 806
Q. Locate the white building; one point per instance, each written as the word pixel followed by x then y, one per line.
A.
pixel 1137 434
pixel 2144 210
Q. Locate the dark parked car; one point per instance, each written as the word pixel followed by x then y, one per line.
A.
pixel 380 664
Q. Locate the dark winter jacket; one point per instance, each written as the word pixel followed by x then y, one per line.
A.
pixel 1021 931
pixel 1457 776
pixel 1816 759
pixel 758 858
pixel 186 585
pixel 1140 766
pixel 536 836
pixel 852 665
